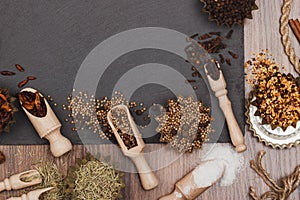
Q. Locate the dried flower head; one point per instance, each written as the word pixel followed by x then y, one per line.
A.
pixel 94 179
pixel 7 110
pixel 185 125
pixel 276 95
pixel 229 12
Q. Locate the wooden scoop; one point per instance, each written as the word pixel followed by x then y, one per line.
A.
pixel 190 186
pixel 148 178
pixel 33 195
pixel 15 183
pixel 219 87
pixel 49 127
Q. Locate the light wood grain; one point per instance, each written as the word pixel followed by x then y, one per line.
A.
pixel 260 33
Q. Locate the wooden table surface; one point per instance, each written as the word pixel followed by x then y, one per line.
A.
pixel 260 33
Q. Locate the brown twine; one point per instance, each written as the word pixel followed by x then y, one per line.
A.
pixel 290 182
pixel 284 31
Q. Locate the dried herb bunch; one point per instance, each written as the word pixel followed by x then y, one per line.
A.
pixel 51 177
pixel 229 12
pixel 93 179
pixel 122 124
pixel 7 110
pixel 33 103
pixel 185 125
pixel 277 192
pixel 276 95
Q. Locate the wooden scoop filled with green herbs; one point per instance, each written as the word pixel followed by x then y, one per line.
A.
pixel 131 143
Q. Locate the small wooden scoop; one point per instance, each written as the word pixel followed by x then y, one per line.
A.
pixel 148 178
pixel 49 127
pixel 15 181
pixel 219 87
pixel 33 195
pixel 187 188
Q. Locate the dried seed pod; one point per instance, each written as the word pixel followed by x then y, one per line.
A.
pixel 233 55
pixel 19 67
pixel 7 73
pixel 30 78
pixel 22 83
pixel 229 34
pixel 228 61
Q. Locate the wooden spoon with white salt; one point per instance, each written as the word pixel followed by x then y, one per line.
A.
pixel 197 181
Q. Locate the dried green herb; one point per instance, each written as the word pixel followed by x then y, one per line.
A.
pixel 52 177
pixel 93 179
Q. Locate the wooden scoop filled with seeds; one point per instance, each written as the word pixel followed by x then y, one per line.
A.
pixel 44 120
pixel 131 143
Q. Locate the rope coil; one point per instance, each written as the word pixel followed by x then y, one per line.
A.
pixel 284 31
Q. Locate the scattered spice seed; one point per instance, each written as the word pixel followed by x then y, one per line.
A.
pixel 194 74
pixel 191 81
pixel 195 87
pixel 204 36
pixel 233 55
pixel 222 59
pixel 139 112
pixel 19 67
pixel 215 33
pixel 22 83
pixel 229 34
pixel 228 61
pixel 30 78
pixel 7 73
pixel 185 125
pixel 194 35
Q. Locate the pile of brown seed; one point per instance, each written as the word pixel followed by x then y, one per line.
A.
pixel 122 124
pixel 229 12
pixel 185 125
pixel 277 95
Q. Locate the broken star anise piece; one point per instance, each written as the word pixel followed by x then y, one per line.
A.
pixel 7 110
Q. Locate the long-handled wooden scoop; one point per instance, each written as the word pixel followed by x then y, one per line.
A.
pixel 219 87
pixel 33 195
pixel 148 178
pixel 49 127
pixel 17 181
pixel 197 181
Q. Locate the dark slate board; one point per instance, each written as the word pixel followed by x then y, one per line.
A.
pixel 52 38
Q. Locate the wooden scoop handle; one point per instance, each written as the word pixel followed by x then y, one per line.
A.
pixel 235 132
pixel 148 178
